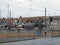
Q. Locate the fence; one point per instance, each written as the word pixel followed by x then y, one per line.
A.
pixel 8 36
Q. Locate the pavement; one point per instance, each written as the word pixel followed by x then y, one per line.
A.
pixel 15 39
pixel 41 41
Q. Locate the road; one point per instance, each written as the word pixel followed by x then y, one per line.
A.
pixel 42 41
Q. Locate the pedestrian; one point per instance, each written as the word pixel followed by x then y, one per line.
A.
pixel 36 31
pixel 45 33
pixel 39 23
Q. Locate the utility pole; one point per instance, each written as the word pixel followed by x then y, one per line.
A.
pixel 45 22
pixel 8 10
pixel 0 13
pixel 45 16
pixel 10 14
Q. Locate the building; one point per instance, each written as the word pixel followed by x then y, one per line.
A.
pixel 55 24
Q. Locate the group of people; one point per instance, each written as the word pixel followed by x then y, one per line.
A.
pixel 33 26
pixel 37 26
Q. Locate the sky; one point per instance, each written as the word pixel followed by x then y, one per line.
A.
pixel 29 8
